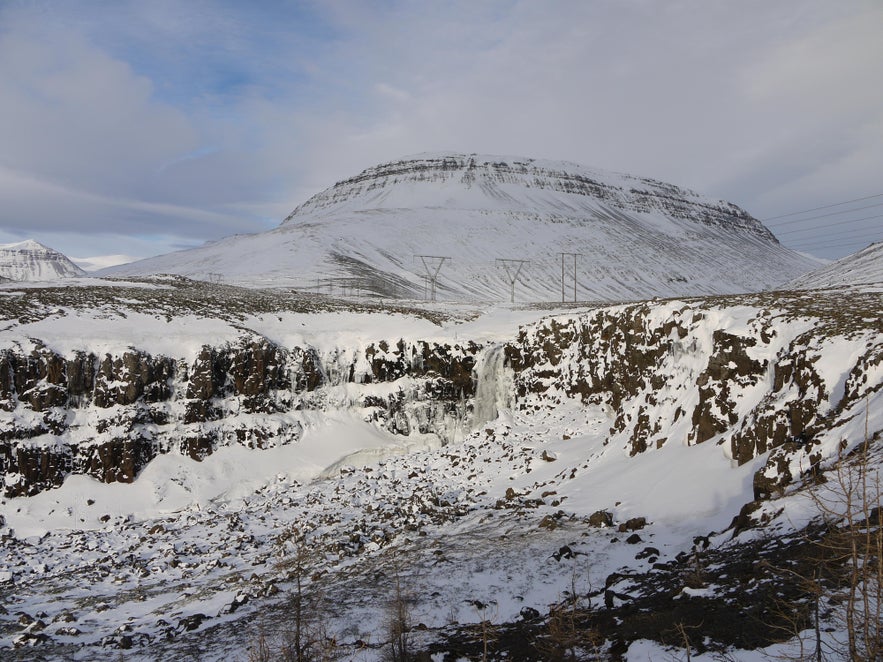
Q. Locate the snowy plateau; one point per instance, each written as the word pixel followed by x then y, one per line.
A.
pixel 195 467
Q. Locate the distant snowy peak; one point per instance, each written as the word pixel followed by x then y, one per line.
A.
pixel 865 266
pixel 31 260
pixel 506 183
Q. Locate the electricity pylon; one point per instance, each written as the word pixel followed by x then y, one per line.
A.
pixel 513 270
pixel 574 256
pixel 432 271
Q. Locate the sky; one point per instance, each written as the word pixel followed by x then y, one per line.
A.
pixel 139 127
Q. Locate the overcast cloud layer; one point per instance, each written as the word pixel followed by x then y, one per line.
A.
pixel 141 127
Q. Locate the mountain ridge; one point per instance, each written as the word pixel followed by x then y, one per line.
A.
pixel 561 176
pixel 637 238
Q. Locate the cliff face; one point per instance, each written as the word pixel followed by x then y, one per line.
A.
pixel 778 374
pixel 108 416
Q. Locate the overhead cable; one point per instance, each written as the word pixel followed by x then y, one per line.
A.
pixel 824 227
pixel 836 204
pixel 833 213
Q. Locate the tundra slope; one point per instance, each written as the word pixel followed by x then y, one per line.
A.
pixel 667 419
pixel 864 266
pixel 637 238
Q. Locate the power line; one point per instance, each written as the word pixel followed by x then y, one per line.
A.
pixel 836 204
pixel 824 243
pixel 851 232
pixel 574 256
pixel 840 237
pixel 834 244
pixel 822 227
pixel 843 244
pixel 513 270
pixel 833 213
pixel 433 264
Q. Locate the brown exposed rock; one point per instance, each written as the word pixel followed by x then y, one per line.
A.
pixel 80 371
pixel 796 381
pixel 633 524
pixel 207 375
pixel 135 376
pixel 39 468
pixel 601 518
pixel 728 364
pixel 198 447
pixel 116 461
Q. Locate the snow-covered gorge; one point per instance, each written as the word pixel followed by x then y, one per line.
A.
pixel 590 446
pixel 751 373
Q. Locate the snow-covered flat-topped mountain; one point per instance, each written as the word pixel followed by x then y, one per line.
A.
pixel 633 237
pixel 31 260
pixel 863 267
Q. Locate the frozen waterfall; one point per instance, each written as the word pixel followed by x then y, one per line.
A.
pixel 494 385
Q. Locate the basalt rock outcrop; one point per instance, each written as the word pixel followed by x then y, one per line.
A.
pixel 108 416
pixel 753 380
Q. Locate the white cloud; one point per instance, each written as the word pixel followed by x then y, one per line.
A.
pixel 87 147
pixel 199 121
pixel 820 111
pixel 764 103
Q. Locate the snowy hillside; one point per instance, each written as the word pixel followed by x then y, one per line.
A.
pixel 636 238
pixel 865 266
pixel 31 260
pixel 195 452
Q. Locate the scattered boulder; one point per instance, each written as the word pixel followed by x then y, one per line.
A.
pixel 192 622
pixel 601 518
pixel 239 600
pixel 529 614
pixel 68 631
pixel 564 552
pixel 29 639
pixel 634 524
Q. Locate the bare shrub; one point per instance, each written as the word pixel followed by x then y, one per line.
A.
pixel 398 620
pixel 301 635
